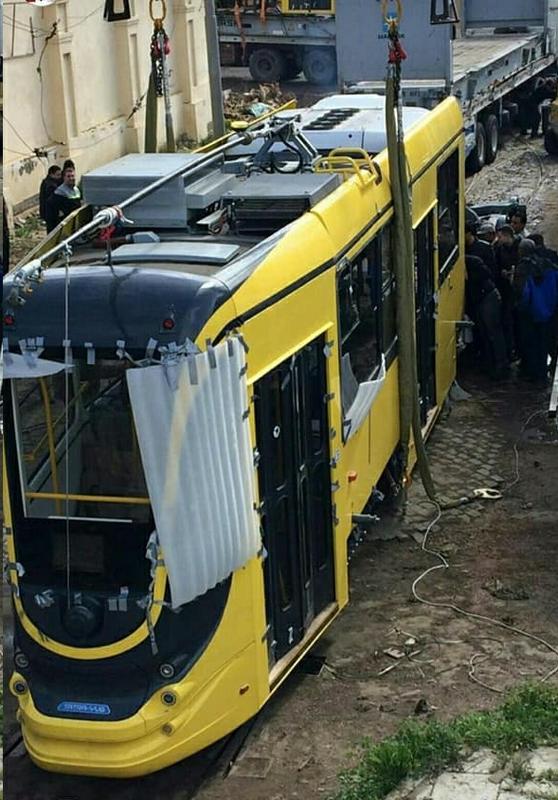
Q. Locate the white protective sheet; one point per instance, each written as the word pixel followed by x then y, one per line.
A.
pixel 28 366
pixel 195 446
pixel 362 403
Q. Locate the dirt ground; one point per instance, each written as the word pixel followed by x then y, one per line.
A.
pixel 502 555
pixel 509 548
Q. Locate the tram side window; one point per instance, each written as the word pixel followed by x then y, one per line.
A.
pixel 359 293
pixel 448 214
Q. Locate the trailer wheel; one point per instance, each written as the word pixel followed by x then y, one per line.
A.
pixel 492 130
pixel 320 65
pixel 477 159
pixel 266 65
pixel 551 142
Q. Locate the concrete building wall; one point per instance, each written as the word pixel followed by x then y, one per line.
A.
pixel 72 80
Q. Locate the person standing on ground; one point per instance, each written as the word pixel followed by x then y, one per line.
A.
pixel 476 247
pixel 487 233
pixel 506 248
pixel 536 288
pixel 48 186
pixel 529 107
pixel 65 199
pixel 506 252
pixel 549 256
pixel 518 221
pixel 484 307
pixel 542 250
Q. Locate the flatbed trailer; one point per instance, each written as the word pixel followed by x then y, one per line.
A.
pixel 486 70
pixel 489 60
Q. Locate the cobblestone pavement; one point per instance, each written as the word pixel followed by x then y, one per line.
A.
pixel 461 463
pixel 484 776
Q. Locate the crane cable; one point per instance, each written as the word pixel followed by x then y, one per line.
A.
pixel 237 15
pixel 159 84
pixel 409 402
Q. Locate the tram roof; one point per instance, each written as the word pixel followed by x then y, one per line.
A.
pixel 124 296
pixel 345 120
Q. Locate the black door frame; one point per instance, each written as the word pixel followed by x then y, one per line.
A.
pixel 295 491
pixel 425 295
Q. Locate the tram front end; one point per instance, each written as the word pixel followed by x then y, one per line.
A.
pixel 117 672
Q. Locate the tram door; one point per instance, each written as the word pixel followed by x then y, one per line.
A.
pixel 295 491
pixel 425 319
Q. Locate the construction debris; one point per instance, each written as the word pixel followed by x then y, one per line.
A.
pixel 249 105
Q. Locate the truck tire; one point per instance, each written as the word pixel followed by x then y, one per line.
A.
pixel 320 65
pixel 492 130
pixel 551 142
pixel 477 159
pixel 266 65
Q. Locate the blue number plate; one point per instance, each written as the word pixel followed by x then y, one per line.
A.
pixel 98 709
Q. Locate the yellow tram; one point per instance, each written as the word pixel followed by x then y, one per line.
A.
pixel 283 271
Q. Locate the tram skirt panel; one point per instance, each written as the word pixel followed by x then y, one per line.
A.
pixel 193 431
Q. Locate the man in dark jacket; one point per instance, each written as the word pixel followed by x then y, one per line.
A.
pixel 542 250
pixel 48 186
pixel 484 307
pixel 65 199
pixel 476 247
pixel 529 106
pixel 506 253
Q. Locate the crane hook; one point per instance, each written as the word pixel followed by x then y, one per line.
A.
pixel 390 20
pixel 158 21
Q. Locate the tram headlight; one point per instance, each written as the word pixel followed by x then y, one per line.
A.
pixel 20 686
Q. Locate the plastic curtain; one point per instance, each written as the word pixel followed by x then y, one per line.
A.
pixel 193 432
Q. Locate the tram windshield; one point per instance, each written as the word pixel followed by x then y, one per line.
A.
pixel 77 446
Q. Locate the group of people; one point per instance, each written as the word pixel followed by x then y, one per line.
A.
pixel 59 194
pixel 512 297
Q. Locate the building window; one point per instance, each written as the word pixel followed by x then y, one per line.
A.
pixel 448 214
